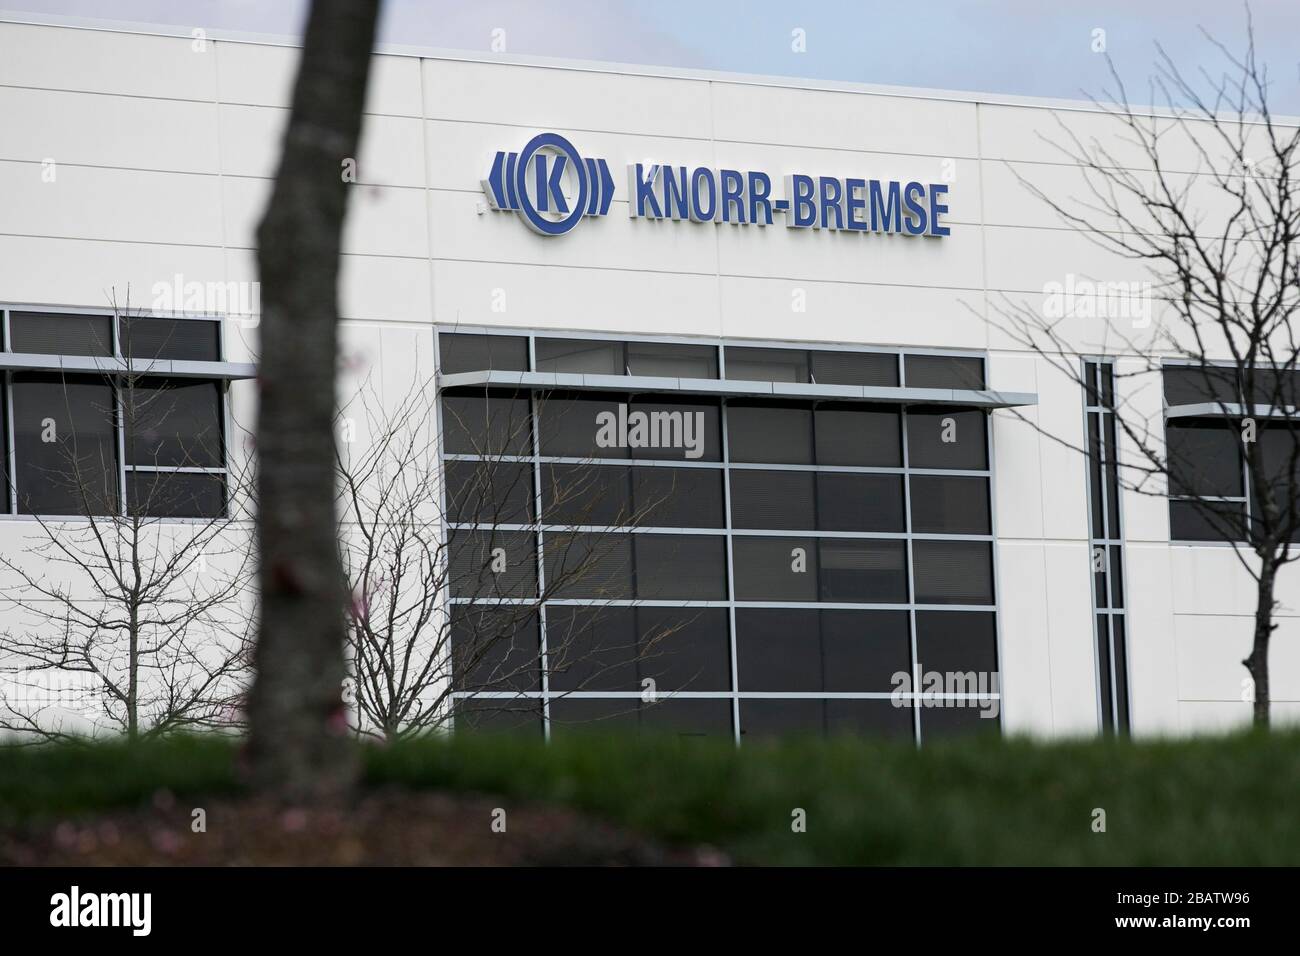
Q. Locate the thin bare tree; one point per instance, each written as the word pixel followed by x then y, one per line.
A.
pixel 298 743
pixel 1201 191
pixel 442 566
pixel 132 606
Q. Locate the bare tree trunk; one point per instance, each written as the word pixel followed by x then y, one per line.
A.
pixel 133 678
pixel 1257 662
pixel 298 745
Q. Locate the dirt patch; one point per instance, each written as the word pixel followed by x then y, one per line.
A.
pixel 386 827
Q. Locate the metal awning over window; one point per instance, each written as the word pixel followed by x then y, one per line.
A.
pixel 1229 410
pixel 877 394
pixel 105 364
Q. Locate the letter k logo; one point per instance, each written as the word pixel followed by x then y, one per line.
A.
pixel 549 189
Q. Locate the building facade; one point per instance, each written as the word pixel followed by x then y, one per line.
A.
pixel 748 323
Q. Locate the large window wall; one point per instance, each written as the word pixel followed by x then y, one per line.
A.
pixel 771 566
pixel 98 420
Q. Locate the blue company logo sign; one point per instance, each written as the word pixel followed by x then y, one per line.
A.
pixel 552 187
pixel 549 184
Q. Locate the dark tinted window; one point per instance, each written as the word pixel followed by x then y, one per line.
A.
pixel 779 649
pixel 1279 459
pixel 496 715
pixel 847 502
pixel 782 718
pixel 684 430
pixel 687 717
pixel 953 572
pixel 870 718
pixel 681 717
pixel 193 340
pixel 1268 386
pixel 853 435
pixel 1106 395
pixel 943 504
pixel 590 356
pixel 961 646
pixel 608 495
pixel 489 492
pixel 592 715
pixel 684 648
pixel 1121 666
pixel 173 422
pixel 1196 385
pixel 493 564
pixel 672 360
pixel 863 571
pixel 582 425
pixel 588 565
pixel 1101 464
pixel 946 438
pixel 802 718
pixel 950 721
pixel 593 495
pixel 64 444
pixel 1116 578
pixel 479 422
pixel 773 500
pixel 472 353
pixel 495 649
pixel 1096 473
pixel 596 357
pixel 775 434
pixel 1103 670
pixel 836 651
pixel 1112 476
pixel 171 494
pixel 819 367
pixel 1207 520
pixel 591 648
pixel 51 333
pixel 775 569
pixel 959 642
pixel 767 365
pixel 5 463
pixel 864 650
pixel 1205 458
pixel 464 352
pixel 677 497
pixel 680 567
pixel 855 368
pixel 943 371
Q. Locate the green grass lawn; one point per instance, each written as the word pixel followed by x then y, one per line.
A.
pixel 1209 801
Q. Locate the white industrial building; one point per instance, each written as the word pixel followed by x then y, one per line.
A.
pixel 140 160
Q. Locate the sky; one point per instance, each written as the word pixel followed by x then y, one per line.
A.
pixel 1022 47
